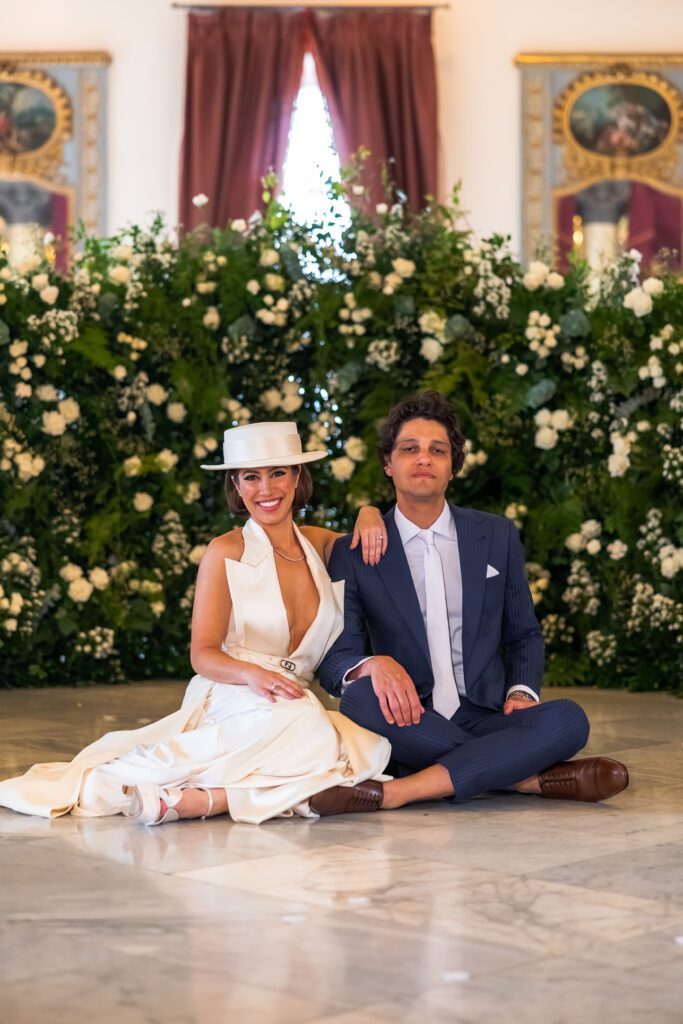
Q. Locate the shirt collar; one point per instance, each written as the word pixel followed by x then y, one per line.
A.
pixel 407 529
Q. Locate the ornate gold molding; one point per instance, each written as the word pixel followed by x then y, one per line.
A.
pixel 535 101
pixel 659 163
pixel 16 58
pixel 45 160
pixel 636 60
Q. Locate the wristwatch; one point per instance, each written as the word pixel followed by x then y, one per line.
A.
pixel 521 695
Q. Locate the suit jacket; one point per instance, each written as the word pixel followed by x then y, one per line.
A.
pixel 501 639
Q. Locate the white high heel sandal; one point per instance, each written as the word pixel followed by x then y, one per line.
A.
pixel 148 809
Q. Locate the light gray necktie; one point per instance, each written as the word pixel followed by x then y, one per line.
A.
pixel 445 698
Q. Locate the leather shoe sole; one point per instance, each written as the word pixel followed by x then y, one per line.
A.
pixel 366 796
pixel 588 778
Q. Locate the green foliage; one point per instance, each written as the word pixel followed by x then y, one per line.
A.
pixel 118 380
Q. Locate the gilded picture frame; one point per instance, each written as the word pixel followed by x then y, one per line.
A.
pixel 602 156
pixel 52 149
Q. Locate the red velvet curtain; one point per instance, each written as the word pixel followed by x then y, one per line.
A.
pixel 244 68
pixel 376 69
pixel 655 223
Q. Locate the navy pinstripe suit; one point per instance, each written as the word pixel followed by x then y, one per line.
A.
pixel 502 646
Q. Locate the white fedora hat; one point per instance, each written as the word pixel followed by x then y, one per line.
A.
pixel 263 444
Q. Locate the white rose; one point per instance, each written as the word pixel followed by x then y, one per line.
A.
pixel 381 209
pixel 431 323
pixel 617 464
pixel 266 316
pixel 158 608
pixel 49 294
pixel 355 448
pixel 275 282
pixel 270 399
pixel 342 468
pixel 197 553
pixel 99 578
pixel 253 287
pixel 80 590
pixel 239 225
pixel 668 567
pixel 591 528
pixel 40 281
pixel 176 412
pixel 119 372
pixel 560 419
pixel 617 550
pixel 211 318
pixel 166 460
pixel 555 280
pixel 53 424
pixel 269 257
pixel 122 252
pixel 653 286
pixel 142 502
pixel 546 438
pixel 574 543
pixel 290 403
pixel 593 546
pixel 539 268
pixel 192 492
pixel 132 465
pixel 10 625
pixel 119 275
pixel 638 301
pixel 543 418
pixel 431 349
pixel 70 409
pixel 404 268
pixel 70 572
pixel 532 281
pixel 200 200
pixel 156 394
pixel 23 390
pixel 521 369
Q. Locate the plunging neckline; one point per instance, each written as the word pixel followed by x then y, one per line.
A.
pixel 312 567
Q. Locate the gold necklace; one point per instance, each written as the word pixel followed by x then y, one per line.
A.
pixel 288 558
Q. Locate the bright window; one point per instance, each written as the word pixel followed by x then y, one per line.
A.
pixel 311 158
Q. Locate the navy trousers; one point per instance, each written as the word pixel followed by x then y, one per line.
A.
pixel 480 748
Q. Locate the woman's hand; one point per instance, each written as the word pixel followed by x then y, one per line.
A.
pixel 272 685
pixel 370 530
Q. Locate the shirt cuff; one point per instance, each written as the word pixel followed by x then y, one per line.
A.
pixel 346 682
pixel 519 686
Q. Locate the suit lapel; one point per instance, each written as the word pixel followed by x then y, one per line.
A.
pixel 395 574
pixel 473 548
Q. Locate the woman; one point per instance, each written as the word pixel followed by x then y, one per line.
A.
pixel 250 740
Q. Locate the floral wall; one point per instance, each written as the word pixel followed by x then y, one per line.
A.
pixel 118 380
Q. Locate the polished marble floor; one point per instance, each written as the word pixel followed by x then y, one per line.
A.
pixel 507 909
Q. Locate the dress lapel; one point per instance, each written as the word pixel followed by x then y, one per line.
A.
pixel 473 548
pixel 394 572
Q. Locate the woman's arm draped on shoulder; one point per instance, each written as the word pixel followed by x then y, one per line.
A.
pixel 210 620
pixel 369 530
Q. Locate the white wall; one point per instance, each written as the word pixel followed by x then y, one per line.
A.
pixel 479 86
pixel 146 39
pixel 476 41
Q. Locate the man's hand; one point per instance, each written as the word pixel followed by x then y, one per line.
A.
pixel 395 691
pixel 518 700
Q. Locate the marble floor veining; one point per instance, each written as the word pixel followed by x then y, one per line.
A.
pixel 506 909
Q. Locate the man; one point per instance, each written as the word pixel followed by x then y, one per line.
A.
pixel 441 651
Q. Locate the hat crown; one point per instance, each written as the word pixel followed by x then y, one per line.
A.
pixel 255 442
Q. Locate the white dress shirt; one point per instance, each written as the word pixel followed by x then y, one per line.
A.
pixel 446 542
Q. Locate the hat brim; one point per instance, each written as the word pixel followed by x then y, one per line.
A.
pixel 286 460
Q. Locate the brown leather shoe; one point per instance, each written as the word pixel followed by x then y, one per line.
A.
pixel 589 778
pixel 366 796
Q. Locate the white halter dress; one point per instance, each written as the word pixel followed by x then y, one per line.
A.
pixel 271 758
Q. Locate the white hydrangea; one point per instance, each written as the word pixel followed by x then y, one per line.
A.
pixel 80 590
pixel 54 424
pixel 638 301
pixel 99 578
pixel 342 468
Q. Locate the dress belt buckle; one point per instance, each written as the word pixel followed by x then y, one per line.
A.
pixel 289 666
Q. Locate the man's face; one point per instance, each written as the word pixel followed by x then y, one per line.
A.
pixel 420 464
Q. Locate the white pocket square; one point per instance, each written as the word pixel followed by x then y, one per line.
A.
pixel 490 572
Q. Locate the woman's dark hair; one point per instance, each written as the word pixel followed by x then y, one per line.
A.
pixel 428 406
pixel 302 495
